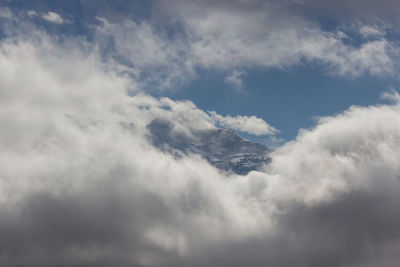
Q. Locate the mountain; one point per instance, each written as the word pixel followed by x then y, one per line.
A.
pixel 221 147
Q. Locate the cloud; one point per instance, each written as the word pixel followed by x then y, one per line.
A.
pixel 146 53
pixel 80 188
pixel 172 41
pixel 53 136
pixel 53 17
pixel 358 8
pixel 227 36
pixel 370 31
pixel 167 49
pixel 235 80
pixel 391 95
pixel 32 13
pixel 246 124
pixel 5 13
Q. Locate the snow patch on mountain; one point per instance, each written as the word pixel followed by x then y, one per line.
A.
pixel 221 147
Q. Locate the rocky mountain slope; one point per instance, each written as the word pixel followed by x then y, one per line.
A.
pixel 221 147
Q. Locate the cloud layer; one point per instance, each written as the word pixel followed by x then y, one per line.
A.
pixel 81 186
pixel 175 40
pixel 231 35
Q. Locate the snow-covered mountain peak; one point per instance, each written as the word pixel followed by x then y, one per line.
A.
pixel 221 147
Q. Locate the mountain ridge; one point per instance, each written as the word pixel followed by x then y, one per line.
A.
pixel 223 148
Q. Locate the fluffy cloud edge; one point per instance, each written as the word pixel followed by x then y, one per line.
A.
pixel 52 17
pixel 246 124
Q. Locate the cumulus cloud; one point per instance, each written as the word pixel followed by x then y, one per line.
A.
pixel 54 127
pixel 81 186
pixel 247 124
pixel 53 17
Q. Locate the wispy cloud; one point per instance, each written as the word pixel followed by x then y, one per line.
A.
pixel 235 79
pixel 215 35
pixel 232 37
pixel 53 17
pixel 32 13
pixel 371 31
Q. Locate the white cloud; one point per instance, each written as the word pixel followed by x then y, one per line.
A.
pixel 32 13
pixel 230 36
pixel 77 189
pixel 53 17
pixel 147 54
pixel 264 34
pixel 247 124
pixel 62 139
pixel 391 95
pixel 370 31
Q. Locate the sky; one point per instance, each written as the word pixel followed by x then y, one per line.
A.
pixel 81 185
